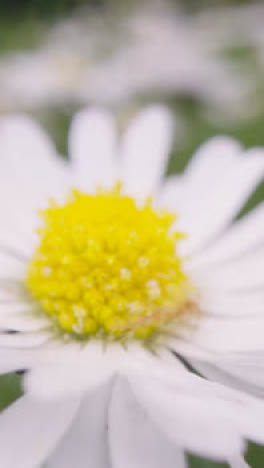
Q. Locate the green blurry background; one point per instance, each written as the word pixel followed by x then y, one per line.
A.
pixel 23 27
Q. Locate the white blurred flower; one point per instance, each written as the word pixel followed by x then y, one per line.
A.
pixel 100 391
pixel 156 49
pixel 235 26
pixel 237 30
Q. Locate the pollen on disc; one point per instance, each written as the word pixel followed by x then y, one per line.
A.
pixel 106 267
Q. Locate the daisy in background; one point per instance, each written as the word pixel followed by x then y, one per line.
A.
pixel 236 31
pixel 81 61
pixel 114 283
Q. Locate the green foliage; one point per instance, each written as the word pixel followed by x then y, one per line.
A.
pixel 194 5
pixel 10 389
pixel 40 8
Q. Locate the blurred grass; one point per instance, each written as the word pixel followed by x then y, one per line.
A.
pixel 48 9
pixel 10 389
pixel 199 462
pixel 13 37
pixel 23 23
pixel 194 5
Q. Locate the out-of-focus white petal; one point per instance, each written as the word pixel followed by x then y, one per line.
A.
pixel 241 274
pixel 48 381
pixel 22 323
pixel 199 425
pixel 18 213
pixel 209 165
pixel 135 440
pixel 30 429
pixel 238 462
pixel 245 234
pixel 145 151
pixel 222 202
pixel 85 445
pixel 28 154
pixel 15 307
pixel 243 371
pixel 229 334
pixel 51 353
pixel 23 340
pixel 11 266
pixel 67 375
pixel 172 194
pixel 12 360
pixel 92 144
pixel 11 240
pixel 228 304
pixel 204 173
pixel 24 144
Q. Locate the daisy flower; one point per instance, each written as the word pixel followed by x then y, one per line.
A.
pixel 134 304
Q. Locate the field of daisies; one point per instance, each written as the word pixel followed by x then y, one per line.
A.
pixel 131 239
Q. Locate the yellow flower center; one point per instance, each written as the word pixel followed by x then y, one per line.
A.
pixel 108 268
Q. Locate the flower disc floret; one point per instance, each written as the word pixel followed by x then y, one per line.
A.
pixel 107 267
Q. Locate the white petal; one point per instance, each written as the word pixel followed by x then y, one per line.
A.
pixel 23 340
pixel 212 160
pixel 8 295
pixel 223 202
pixel 244 412
pixel 63 366
pixel 23 323
pixel 49 354
pixel 85 445
pixel 145 149
pixel 92 144
pixel 172 194
pixel 9 309
pixel 243 371
pixel 23 138
pixel 20 204
pixel 243 235
pixel 11 267
pixel 135 441
pixel 30 429
pixel 188 349
pixel 13 241
pixel 13 360
pixel 241 304
pixel 229 334
pixel 11 291
pixel 28 153
pixel 244 273
pixel 203 174
pixel 86 368
pixel 238 462
pixel 18 212
pixel 197 425
pixel 48 381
